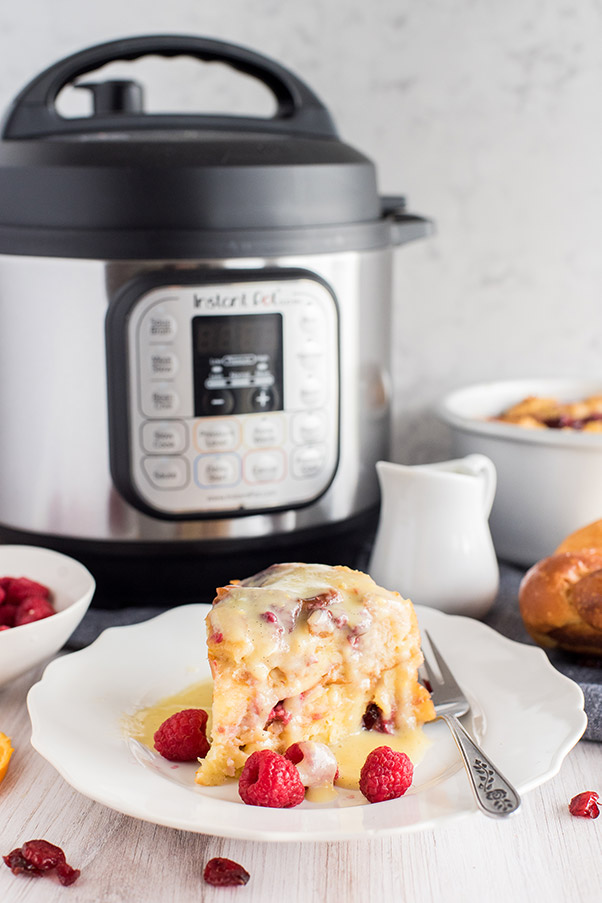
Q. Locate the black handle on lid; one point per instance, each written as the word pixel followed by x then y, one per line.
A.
pixel 33 113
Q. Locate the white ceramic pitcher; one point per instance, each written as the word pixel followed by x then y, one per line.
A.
pixel 433 543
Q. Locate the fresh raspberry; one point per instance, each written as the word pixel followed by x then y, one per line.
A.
pixel 386 774
pixel 182 737
pixel 33 608
pixel 225 873
pixel 19 588
pixel 315 762
pixel 7 614
pixel 585 804
pixel 269 779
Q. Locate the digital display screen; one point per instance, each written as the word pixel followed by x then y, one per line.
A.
pixel 242 334
pixel 237 363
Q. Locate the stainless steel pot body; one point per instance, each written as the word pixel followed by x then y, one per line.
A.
pixel 55 475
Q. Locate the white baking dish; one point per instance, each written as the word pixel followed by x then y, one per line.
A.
pixel 549 481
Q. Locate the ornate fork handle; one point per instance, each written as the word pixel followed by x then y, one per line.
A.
pixel 494 794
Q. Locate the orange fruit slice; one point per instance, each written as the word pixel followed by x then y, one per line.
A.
pixel 6 752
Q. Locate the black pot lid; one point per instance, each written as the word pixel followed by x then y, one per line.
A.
pixel 122 168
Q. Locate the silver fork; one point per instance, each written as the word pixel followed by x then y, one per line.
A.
pixel 494 794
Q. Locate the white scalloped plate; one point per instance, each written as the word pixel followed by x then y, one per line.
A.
pixel 526 714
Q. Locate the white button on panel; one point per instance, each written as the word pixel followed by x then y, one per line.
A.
pixel 161 362
pixel 311 390
pixel 263 432
pixel 160 399
pixel 168 437
pixel 311 318
pixel 158 326
pixel 264 466
pixel 166 473
pixel 309 426
pixel 217 470
pixel 310 353
pixel 217 435
pixel 308 461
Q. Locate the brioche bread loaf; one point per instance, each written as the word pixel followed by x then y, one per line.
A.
pixel 588 537
pixel 560 601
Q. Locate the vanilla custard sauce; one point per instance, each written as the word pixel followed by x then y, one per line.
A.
pixel 350 753
pixel 143 723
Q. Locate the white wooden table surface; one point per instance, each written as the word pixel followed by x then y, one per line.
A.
pixel 541 854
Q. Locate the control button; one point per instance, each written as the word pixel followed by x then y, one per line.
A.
pixel 311 391
pixel 162 362
pixel 264 467
pixel 217 435
pixel 217 470
pixel 310 426
pixel 308 461
pixel 311 318
pixel 218 402
pixel 161 399
pixel 263 399
pixel 264 431
pixel 159 327
pixel 310 353
pixel 168 438
pixel 166 473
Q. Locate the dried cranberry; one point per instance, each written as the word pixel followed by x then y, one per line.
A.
pixel 322 600
pixel 278 713
pixel 585 804
pixel 42 854
pixel 18 864
pixel 225 873
pixel 38 856
pixel 373 720
pixel 66 874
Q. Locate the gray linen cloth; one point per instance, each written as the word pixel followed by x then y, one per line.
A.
pixel 503 617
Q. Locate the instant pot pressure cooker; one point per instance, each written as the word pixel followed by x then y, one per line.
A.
pixel 195 326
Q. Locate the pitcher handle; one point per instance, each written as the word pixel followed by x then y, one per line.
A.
pixel 482 465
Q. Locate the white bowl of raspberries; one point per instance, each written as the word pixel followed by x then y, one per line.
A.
pixel 43 597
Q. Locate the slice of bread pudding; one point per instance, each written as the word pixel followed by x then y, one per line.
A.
pixel 308 652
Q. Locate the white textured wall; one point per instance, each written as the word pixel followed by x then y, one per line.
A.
pixel 486 113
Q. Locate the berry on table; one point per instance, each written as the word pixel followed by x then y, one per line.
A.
pixel 38 856
pixel 585 804
pixel 225 873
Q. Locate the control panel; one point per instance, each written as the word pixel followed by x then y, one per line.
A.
pixel 233 395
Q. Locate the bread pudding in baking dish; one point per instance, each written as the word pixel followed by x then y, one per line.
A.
pixel 308 652
pixel 535 412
